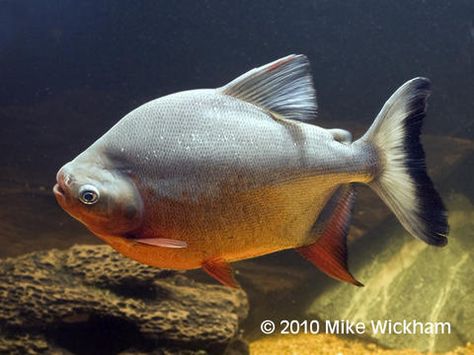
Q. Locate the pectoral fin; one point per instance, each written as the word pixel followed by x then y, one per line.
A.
pixel 329 252
pixel 163 242
pixel 220 269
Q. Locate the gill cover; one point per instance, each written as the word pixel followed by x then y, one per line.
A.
pixel 106 200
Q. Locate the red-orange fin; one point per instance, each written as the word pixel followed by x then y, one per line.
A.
pixel 163 242
pixel 220 269
pixel 329 252
pixel 278 63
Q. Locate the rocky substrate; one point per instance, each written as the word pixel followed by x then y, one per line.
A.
pixel 89 299
pixel 407 280
pixel 326 344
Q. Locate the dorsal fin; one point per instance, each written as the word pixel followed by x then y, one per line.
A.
pixel 283 87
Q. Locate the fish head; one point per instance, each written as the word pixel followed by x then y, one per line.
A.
pixel 106 200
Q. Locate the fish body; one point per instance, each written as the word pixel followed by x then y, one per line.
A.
pixel 205 177
pixel 224 176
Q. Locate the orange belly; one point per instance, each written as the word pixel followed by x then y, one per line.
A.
pixel 234 227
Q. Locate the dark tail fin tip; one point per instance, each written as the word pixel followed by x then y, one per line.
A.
pixel 402 181
pixel 431 209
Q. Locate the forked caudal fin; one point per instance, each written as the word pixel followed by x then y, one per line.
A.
pixel 401 179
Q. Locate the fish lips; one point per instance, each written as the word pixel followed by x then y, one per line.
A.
pixel 58 192
pixel 60 188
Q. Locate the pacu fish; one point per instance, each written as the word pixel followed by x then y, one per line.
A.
pixel 202 178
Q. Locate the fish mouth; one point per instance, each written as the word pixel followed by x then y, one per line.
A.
pixel 62 183
pixel 58 191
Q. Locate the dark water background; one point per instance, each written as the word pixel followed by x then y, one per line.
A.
pixel 70 69
pixel 131 51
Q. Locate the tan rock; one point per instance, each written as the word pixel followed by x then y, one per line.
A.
pixel 91 298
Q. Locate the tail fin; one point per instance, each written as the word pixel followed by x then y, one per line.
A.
pixel 401 180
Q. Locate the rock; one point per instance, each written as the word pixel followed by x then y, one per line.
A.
pixel 408 280
pixel 23 344
pixel 267 279
pixel 90 299
pixel 328 344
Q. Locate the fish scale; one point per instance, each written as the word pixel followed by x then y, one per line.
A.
pixel 205 177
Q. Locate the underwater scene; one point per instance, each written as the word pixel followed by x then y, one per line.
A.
pixel 237 177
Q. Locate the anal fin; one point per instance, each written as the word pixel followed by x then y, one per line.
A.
pixel 329 252
pixel 220 269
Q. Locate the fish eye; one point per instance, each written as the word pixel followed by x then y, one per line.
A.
pixel 89 194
